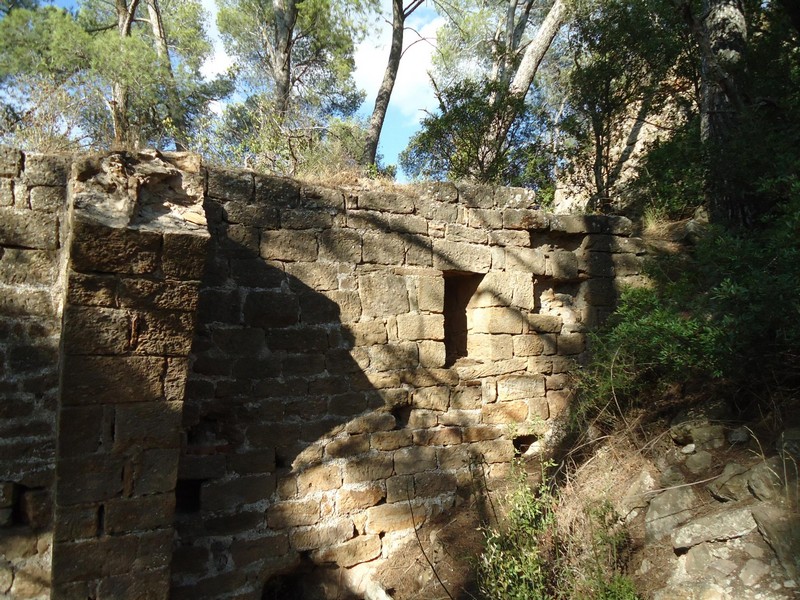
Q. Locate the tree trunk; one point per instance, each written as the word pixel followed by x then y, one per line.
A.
pixel 162 49
pixel 119 90
pixel 725 33
pixel 281 54
pixel 399 15
pixel 522 80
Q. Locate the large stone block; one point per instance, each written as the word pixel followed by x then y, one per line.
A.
pixel 230 185
pixel 162 333
pixel 383 295
pixel 361 549
pixel 455 256
pixel 384 201
pixel 414 460
pixel 235 493
pixel 42 169
pixel 293 514
pixel 93 559
pixel 126 515
pixel 420 327
pixel 505 413
pixel 307 275
pixel 48 199
pixel 145 425
pixel 277 191
pixel 430 294
pixel 269 309
pixel 289 245
pixel 504 289
pixel 28 229
pixel 384 248
pixel 98 247
pixel 522 218
pixel 340 245
pixel 331 533
pixel 520 387
pixel 495 320
pixel 10 161
pixel 529 260
pixel 89 479
pixel 372 467
pixel 95 330
pixel 394 517
pixel 111 379
pixel 485 347
pixel 394 356
pixel 184 254
pixel 562 266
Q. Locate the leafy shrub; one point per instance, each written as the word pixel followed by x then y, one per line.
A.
pixel 534 556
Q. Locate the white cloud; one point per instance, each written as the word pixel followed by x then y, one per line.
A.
pixel 412 92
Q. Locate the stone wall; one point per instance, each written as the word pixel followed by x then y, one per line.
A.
pixel 363 359
pixel 32 234
pixel 290 380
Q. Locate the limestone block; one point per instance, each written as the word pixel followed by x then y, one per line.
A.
pixel 6 192
pixel 247 551
pixel 156 472
pixel 455 232
pixel 88 479
pixel 395 356
pixel 386 202
pixel 359 550
pixel 10 161
pixel 493 451
pixel 144 425
pixel 539 409
pixel 347 405
pixel 27 302
pixel 383 295
pixel 528 345
pixel 97 247
pixel 503 413
pixel 320 478
pixel 714 528
pixel 460 418
pixel 371 423
pixel 306 219
pixel 372 467
pixel 475 195
pixel 612 243
pixel 48 199
pixel 391 440
pixel 82 430
pixel 430 485
pixel 466 397
pixel 323 535
pixel 480 433
pixel 521 218
pixel 276 191
pixel 457 256
pixel 562 266
pixel 486 347
pixel 669 509
pixel 529 260
pixel 495 320
pixel 314 196
pixel 514 197
pixel 598 292
pixel 384 248
pixel 136 293
pixel 571 343
pixel 368 333
pixel 453 458
pixel 125 515
pixel 626 265
pixel 161 333
pixel 445 436
pixel 420 327
pixel 520 387
pixel 239 241
pixel 432 398
pixel 608 224
pixel 230 185
pixel 96 331
pixel 399 488
pixel 430 294
pixel 432 355
pixel 434 191
pixel 270 309
pixel 184 254
pixel 75 522
pixel 394 517
pixel 110 379
pixel 504 289
pixel 543 324
pixel 349 500
pixel 28 229
pixel 483 218
pixel 419 251
pixel 93 559
pixel 348 446
pixel 289 245
pixel 340 245
pixel 42 169
pixel 414 459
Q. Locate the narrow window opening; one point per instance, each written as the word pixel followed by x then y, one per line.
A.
pixel 459 288
pixel 187 495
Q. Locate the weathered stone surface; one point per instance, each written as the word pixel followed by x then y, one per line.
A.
pixel 110 379
pixel 714 528
pixel 358 550
pixel 668 510
pixel 28 229
pixel 420 327
pixel 394 517
pixel 461 257
pixel 10 161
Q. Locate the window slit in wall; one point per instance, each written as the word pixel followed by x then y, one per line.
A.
pixel 459 288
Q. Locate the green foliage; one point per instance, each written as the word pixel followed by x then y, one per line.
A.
pixel 452 142
pixel 535 557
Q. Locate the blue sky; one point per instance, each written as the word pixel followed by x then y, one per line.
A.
pixel 412 92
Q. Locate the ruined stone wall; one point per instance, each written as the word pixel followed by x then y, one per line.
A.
pixel 32 234
pixel 364 360
pixel 286 379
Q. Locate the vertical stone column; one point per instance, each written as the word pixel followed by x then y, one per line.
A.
pixel 137 250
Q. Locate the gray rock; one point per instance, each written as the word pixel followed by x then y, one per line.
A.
pixel 782 532
pixel 740 435
pixel 668 510
pixel 715 527
pixel 764 479
pixel 731 485
pixel 753 571
pixel 699 462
